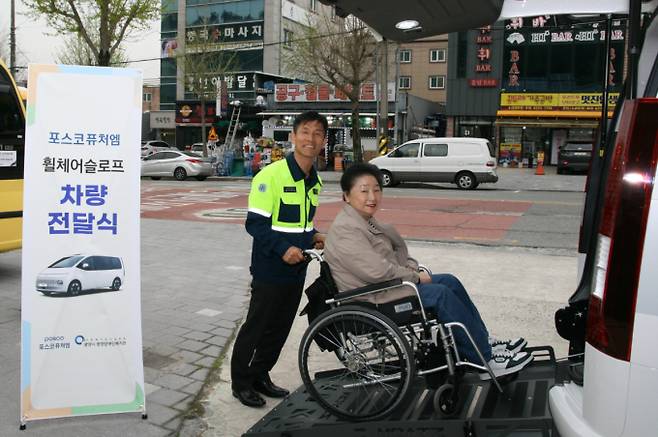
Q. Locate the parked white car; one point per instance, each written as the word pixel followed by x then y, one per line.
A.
pixel 180 165
pixel 466 162
pixel 151 147
pixel 74 274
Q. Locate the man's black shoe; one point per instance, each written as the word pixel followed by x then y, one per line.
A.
pixel 268 388
pixel 249 397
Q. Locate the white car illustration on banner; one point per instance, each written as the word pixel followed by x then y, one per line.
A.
pixel 74 274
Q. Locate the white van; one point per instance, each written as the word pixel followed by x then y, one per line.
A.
pixel 466 162
pixel 76 273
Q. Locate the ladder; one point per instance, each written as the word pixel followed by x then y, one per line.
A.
pixel 233 125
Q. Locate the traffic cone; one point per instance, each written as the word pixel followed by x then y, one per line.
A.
pixel 540 168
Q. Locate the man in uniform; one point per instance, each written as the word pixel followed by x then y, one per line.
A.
pixel 282 203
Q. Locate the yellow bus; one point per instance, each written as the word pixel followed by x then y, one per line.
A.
pixel 12 154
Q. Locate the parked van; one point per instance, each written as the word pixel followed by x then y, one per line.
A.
pixel 466 162
pixel 76 273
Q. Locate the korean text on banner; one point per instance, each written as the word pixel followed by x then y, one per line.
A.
pixel 81 345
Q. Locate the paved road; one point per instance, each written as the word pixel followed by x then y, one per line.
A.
pixel 496 217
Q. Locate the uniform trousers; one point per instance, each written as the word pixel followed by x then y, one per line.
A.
pixel 272 311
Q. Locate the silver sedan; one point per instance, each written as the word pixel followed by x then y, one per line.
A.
pixel 180 165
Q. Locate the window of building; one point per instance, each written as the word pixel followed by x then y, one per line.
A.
pixel 219 13
pixel 314 6
pixel 147 97
pixel 437 82
pixel 405 82
pixel 437 55
pixel 405 56
pixel 333 12
pixel 288 37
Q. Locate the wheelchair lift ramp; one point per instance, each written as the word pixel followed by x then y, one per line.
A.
pixel 521 410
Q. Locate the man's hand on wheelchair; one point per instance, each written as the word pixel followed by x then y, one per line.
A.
pixel 294 255
pixel 318 240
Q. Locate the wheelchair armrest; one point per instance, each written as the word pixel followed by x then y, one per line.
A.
pixel 424 268
pixel 368 289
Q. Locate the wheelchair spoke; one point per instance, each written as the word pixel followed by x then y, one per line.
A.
pixel 365 368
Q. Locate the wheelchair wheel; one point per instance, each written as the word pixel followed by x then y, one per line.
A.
pixel 367 372
pixel 446 400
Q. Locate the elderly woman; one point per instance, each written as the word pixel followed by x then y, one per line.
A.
pixel 362 251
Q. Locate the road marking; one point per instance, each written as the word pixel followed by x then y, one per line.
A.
pixel 208 312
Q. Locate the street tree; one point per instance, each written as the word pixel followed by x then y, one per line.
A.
pixel 76 52
pixel 205 61
pixel 343 57
pixel 101 24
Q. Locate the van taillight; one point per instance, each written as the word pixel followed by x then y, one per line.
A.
pixel 621 234
pixel 491 163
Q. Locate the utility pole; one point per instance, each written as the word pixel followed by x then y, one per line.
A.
pixel 12 41
pixel 382 123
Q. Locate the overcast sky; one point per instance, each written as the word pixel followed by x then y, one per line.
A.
pixel 33 44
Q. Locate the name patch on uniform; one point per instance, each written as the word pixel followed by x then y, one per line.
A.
pixel 315 191
pixel 262 188
pixel 289 189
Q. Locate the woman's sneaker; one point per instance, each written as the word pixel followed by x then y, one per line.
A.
pixel 506 362
pixel 514 345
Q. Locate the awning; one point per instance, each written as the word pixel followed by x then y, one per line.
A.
pixel 544 122
pixel 555 114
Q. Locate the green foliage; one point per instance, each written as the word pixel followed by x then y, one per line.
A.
pixel 101 24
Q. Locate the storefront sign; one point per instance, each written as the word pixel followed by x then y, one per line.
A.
pixel 483 83
pixel 81 346
pixel 226 33
pixel 483 51
pixel 162 119
pixel 190 111
pixel 288 92
pixel 555 102
pixel 510 154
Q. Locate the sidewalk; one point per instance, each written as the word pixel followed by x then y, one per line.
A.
pixel 514 288
pixel 509 179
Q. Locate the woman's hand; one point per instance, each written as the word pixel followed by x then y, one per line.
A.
pixel 318 240
pixel 424 278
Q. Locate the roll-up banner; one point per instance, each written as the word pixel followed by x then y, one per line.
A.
pixel 81 345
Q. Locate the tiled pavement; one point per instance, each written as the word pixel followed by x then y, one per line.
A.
pixel 194 291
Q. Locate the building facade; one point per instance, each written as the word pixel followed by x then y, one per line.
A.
pixel 255 32
pixel 530 85
pixel 423 68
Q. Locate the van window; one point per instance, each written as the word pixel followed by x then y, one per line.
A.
pixel 90 261
pixel 102 263
pixel 115 264
pixel 406 151
pixel 435 150
pixel 65 262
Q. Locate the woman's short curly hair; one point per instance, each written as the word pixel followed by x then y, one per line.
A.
pixel 355 171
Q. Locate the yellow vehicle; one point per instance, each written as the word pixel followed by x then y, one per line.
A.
pixel 12 154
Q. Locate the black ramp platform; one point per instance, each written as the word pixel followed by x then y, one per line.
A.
pixel 520 411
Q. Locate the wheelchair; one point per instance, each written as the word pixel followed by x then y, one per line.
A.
pixel 358 360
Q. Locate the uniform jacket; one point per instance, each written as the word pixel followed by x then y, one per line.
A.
pixel 282 203
pixel 362 252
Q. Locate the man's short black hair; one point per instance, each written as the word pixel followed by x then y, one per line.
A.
pixel 308 116
pixel 355 171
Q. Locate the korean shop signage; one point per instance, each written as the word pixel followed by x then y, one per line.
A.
pixel 289 92
pixel 226 33
pixel 190 111
pixel 81 346
pixel 555 102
